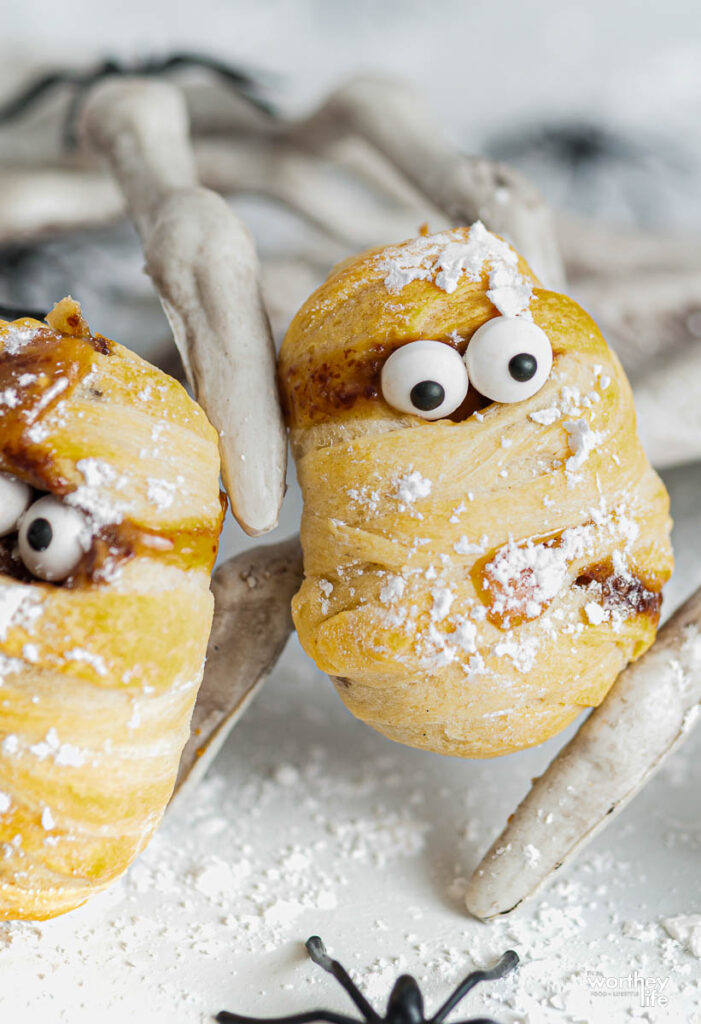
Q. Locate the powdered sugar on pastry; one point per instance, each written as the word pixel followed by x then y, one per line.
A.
pixel 95 495
pixel 509 290
pixel 393 589
pixel 14 337
pixel 526 577
pixel 546 417
pixel 13 597
pixel 464 546
pixel 162 492
pixel 582 440
pixel 443 258
pixel 523 578
pixel 412 486
pixel 65 754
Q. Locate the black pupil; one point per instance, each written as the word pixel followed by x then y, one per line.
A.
pixel 427 395
pixel 523 366
pixel 40 534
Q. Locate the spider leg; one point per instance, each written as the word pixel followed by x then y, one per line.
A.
pixel 325 1016
pixel 317 952
pixel 478 1020
pixel 240 80
pixel 507 963
pixel 29 95
pixel 183 59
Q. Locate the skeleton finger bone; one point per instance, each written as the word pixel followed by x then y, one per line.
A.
pixel 314 188
pixel 669 414
pixel 35 201
pixel 391 117
pixel 590 248
pixel 205 269
pixel 56 199
pixel 646 715
pixel 252 622
pixel 649 316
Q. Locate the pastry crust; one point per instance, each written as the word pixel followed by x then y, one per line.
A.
pixel 99 674
pixel 471 584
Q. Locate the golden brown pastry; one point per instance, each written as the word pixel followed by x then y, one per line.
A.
pixel 110 510
pixel 484 539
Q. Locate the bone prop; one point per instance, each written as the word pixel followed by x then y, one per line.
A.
pixel 647 714
pixel 205 269
pixel 317 189
pixel 394 120
pixel 599 250
pixel 668 409
pixel 252 622
pixel 647 318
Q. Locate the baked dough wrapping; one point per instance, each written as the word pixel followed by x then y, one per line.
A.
pixel 472 583
pixel 98 674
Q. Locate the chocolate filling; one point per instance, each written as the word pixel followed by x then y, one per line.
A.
pixel 629 594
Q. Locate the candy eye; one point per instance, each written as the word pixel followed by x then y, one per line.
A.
pixel 508 359
pixel 426 378
pixel 52 539
pixel 15 497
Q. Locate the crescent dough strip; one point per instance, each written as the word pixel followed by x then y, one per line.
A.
pixel 205 269
pixel 647 715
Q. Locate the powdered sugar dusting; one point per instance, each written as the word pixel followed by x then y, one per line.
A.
pixel 525 576
pixel 412 486
pixel 13 337
pixel 64 754
pixel 686 930
pixel 95 496
pixel 15 599
pixel 96 661
pixel 161 493
pixel 509 290
pixel 546 417
pixel 582 441
pixel 445 257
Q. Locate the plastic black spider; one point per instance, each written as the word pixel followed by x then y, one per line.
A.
pixel 82 80
pixel 405 1004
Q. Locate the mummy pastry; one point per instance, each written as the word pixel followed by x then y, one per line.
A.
pixel 110 513
pixel 484 539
